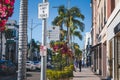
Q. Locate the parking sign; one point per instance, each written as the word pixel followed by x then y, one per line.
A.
pixel 43 10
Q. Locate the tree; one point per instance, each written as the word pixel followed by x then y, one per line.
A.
pixel 22 40
pixel 70 18
pixel 59 21
pixel 32 48
pixel 77 51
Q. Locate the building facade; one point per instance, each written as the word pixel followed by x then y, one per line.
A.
pixel 86 51
pixel 10 41
pixel 106 38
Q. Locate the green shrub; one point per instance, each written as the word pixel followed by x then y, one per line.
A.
pixel 57 75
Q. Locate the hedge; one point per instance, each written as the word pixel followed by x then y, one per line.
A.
pixel 67 72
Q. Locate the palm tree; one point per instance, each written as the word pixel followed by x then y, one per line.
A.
pixel 70 18
pixel 78 52
pixel 22 40
pixel 59 21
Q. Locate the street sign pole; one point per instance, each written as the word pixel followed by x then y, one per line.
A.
pixel 43 14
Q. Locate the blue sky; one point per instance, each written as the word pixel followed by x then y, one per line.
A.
pixel 84 6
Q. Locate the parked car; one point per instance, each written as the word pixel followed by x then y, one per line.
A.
pixel 37 64
pixel 30 65
pixel 7 67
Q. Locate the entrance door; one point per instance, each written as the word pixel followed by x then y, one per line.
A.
pixel 118 58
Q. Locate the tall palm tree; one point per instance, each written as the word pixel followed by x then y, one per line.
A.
pixel 70 18
pixel 22 40
pixel 59 21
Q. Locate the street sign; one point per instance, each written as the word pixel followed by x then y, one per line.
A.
pixel 54 33
pixel 43 10
pixel 43 50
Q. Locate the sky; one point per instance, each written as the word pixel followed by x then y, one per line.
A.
pixel 83 5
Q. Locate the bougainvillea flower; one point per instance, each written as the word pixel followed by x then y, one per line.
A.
pixel 7 1
pixel 6 11
pixel 62 48
pixel 2 23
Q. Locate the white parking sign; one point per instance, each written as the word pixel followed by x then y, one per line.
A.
pixel 43 10
pixel 43 50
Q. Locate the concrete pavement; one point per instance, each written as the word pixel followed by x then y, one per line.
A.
pixel 85 74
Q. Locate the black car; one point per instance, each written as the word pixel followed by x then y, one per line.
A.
pixel 7 67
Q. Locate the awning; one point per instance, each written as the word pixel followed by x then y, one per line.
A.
pixel 93 47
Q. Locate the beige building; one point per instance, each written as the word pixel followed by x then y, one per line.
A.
pixel 106 38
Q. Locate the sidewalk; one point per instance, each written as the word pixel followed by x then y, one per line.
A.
pixel 85 74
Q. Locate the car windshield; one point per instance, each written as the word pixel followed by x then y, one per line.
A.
pixel 27 62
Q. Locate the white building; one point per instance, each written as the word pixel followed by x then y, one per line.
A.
pixel 87 44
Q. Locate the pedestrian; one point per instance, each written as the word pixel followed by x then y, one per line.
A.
pixel 80 64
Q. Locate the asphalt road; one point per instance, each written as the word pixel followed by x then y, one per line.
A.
pixel 8 77
pixel 31 75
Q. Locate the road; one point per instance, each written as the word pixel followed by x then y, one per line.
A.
pixel 10 77
pixel 31 75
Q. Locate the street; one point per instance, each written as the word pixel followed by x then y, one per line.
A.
pixel 85 74
pixel 8 77
pixel 31 75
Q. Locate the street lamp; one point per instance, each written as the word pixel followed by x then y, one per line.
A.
pixel 32 28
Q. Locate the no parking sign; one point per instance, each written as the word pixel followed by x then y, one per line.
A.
pixel 43 50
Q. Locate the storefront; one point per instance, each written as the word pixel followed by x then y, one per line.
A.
pixel 96 58
pixel 114 54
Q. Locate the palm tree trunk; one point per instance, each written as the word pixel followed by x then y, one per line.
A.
pixel 22 40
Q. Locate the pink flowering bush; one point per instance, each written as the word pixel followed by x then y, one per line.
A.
pixel 6 11
pixel 62 48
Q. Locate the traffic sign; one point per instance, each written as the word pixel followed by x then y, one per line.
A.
pixel 43 50
pixel 43 10
pixel 54 33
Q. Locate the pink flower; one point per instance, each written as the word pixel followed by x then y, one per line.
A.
pixel 11 3
pixel 6 10
pixel 2 29
pixel 2 23
pixel 7 1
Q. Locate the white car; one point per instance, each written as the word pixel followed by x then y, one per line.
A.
pixel 30 65
pixel 38 65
